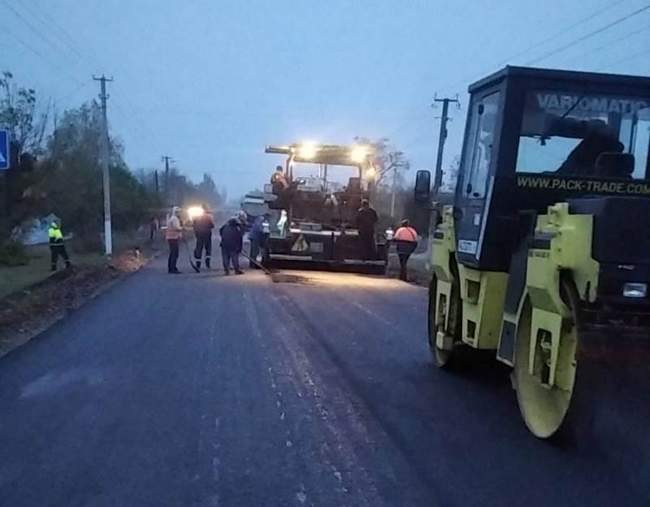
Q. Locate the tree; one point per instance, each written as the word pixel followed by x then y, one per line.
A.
pixel 179 190
pixel 18 114
pixel 390 165
pixel 207 192
pixel 71 178
pixel 131 202
pixel 67 181
pixel 385 157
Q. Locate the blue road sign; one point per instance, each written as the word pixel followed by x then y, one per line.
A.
pixel 4 150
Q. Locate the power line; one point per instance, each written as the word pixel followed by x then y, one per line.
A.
pixel 29 25
pixel 71 45
pixel 557 50
pixel 90 58
pixel 521 53
pixel 588 35
pixel 610 44
pixel 26 45
pixel 49 61
pixel 624 60
pixel 63 37
pixel 50 19
pixel 540 43
pixel 37 15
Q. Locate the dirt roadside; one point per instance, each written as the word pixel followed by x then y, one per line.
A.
pixel 27 313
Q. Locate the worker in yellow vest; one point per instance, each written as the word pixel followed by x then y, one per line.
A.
pixel 57 247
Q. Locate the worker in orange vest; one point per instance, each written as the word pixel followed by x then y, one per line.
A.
pixel 406 239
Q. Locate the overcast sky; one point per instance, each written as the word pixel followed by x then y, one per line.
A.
pixel 211 82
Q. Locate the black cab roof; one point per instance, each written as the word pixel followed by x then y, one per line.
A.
pixel 557 75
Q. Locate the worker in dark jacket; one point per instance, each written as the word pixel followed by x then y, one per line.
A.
pixel 281 187
pixel 279 181
pixel 57 247
pixel 203 225
pixel 259 235
pixel 366 220
pixel 231 245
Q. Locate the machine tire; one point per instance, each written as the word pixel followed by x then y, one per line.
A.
pixel 441 358
pixel 545 410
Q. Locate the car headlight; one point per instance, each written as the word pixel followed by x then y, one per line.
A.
pixel 635 290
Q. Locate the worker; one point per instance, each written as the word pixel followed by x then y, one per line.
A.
pixel 203 225
pixel 331 209
pixel 598 138
pixel 57 247
pixel 259 236
pixel 154 226
pixel 405 239
pixel 242 218
pixel 173 234
pixel 281 187
pixel 281 225
pixel 366 221
pixel 231 245
pixel 279 181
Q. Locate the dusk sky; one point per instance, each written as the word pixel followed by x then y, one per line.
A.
pixel 210 83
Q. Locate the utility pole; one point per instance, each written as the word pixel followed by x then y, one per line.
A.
pixel 166 159
pixel 104 156
pixel 437 182
pixel 394 191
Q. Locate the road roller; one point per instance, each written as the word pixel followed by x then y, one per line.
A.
pixel 544 256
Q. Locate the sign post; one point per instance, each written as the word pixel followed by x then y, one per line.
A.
pixel 5 163
pixel 4 150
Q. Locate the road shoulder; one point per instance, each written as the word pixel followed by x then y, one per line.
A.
pixel 27 313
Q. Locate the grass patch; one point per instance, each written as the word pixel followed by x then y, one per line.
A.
pixel 13 253
pixel 16 278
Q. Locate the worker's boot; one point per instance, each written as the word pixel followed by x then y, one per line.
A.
pixel 53 268
pixel 207 262
pixel 68 265
pixel 198 265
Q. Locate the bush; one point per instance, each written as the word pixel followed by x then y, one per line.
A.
pixel 13 253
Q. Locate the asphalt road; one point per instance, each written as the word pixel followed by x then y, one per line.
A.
pixel 226 391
